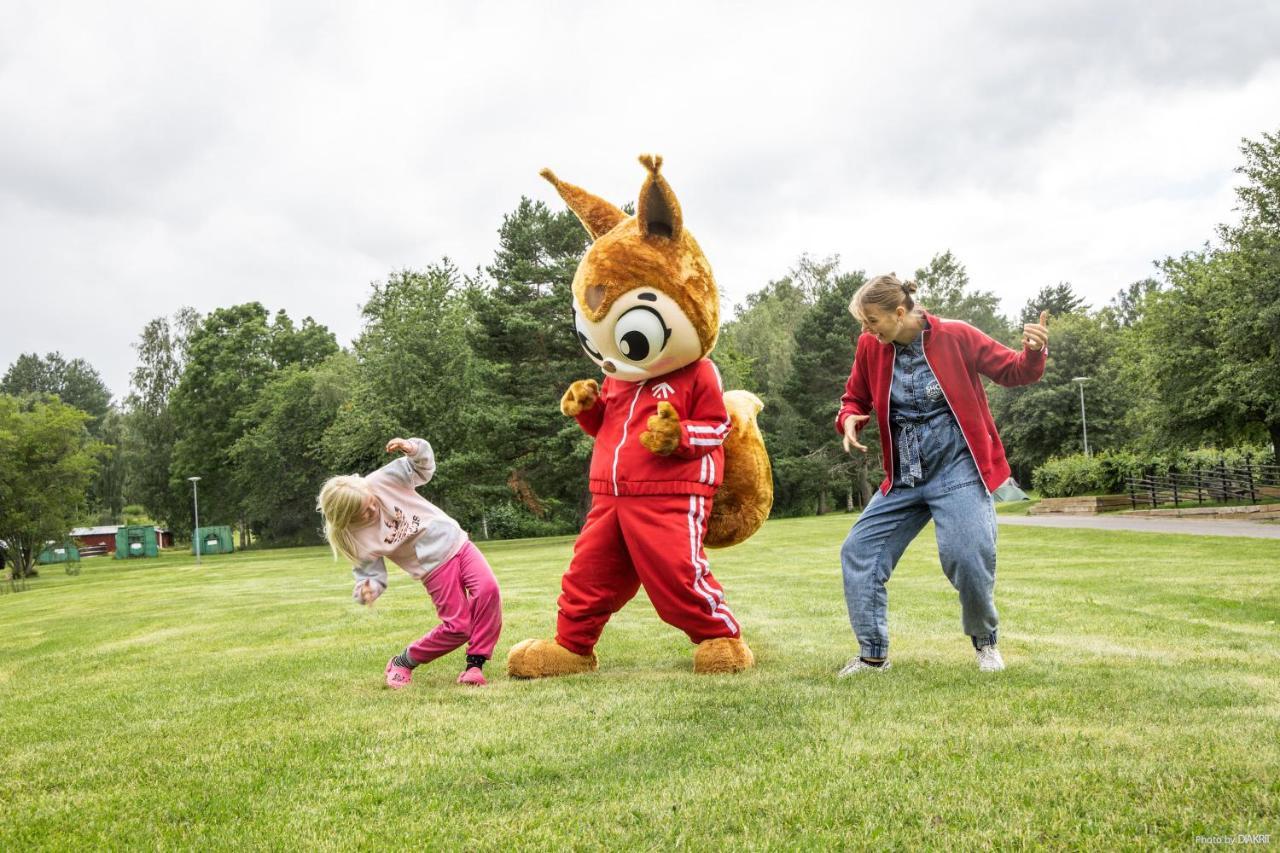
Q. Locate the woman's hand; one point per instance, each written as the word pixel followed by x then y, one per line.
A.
pixel 851 425
pixel 405 447
pixel 1035 336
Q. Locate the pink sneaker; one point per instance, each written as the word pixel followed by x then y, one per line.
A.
pixel 398 676
pixel 473 676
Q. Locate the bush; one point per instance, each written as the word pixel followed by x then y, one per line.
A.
pixel 1068 476
pixel 508 521
pixel 1107 473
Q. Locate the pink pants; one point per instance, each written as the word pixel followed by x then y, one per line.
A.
pixel 465 594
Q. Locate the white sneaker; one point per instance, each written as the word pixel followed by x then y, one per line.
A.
pixel 989 659
pixel 858 665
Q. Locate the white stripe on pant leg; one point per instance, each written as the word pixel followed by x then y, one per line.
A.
pixel 695 524
pixel 715 598
pixel 706 566
pixel 697 505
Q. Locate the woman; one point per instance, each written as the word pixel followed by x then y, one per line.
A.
pixel 920 374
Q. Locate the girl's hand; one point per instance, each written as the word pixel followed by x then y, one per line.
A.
pixel 367 593
pixel 405 447
pixel 851 425
pixel 1035 336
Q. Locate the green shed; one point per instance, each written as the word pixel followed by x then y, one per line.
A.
pixel 213 540
pixel 136 540
pixel 58 553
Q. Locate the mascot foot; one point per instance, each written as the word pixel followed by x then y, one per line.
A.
pixel 546 658
pixel 723 654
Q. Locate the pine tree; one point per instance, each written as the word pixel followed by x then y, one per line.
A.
pixel 524 335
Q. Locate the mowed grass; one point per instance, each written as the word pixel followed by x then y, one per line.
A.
pixel 153 704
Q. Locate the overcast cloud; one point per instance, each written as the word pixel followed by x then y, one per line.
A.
pixel 159 155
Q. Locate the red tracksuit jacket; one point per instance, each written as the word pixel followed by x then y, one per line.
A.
pixel 958 354
pixel 621 465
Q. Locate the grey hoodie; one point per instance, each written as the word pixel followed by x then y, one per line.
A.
pixel 410 530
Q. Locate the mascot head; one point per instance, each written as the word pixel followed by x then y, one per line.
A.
pixel 644 299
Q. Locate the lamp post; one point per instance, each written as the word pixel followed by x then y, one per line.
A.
pixel 195 501
pixel 1084 426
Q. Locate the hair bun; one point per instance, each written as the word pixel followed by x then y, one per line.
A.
pixel 909 287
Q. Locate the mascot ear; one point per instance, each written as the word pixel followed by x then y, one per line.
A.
pixel 597 215
pixel 657 209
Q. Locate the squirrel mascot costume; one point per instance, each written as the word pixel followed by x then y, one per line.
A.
pixel 677 462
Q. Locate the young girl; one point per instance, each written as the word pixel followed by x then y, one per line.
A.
pixel 942 457
pixel 381 515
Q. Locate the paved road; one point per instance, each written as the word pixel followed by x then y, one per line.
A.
pixel 1194 527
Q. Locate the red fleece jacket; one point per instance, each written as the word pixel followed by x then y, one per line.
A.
pixel 958 354
pixel 621 465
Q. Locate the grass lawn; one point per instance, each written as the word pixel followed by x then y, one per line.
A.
pixel 1017 507
pixel 153 704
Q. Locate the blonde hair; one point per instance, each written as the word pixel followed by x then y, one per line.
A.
pixel 885 292
pixel 341 502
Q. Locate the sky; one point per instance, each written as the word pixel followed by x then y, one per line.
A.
pixel 160 155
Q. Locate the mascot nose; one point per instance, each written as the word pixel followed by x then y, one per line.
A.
pixel 609 366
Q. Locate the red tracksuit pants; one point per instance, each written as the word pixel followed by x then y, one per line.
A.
pixel 650 540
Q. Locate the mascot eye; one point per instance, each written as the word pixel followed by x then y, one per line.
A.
pixel 640 333
pixel 585 341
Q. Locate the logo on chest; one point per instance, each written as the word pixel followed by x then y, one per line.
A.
pixel 933 391
pixel 662 390
pixel 399 528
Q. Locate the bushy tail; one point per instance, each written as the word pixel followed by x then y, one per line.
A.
pixel 746 493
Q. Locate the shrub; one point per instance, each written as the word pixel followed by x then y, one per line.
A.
pixel 1107 473
pixel 508 521
pixel 1068 476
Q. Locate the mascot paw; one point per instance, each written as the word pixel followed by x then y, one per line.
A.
pixel 663 435
pixel 723 654
pixel 546 658
pixel 580 397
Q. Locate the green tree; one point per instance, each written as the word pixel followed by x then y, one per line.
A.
pixel 416 376
pixel 279 463
pixel 756 347
pixel 230 358
pixel 945 292
pixel 74 382
pixel 811 469
pixel 148 432
pixel 1058 299
pixel 106 492
pixel 47 460
pixel 1041 420
pixel 1207 350
pixel 524 335
pixel 1128 306
pixel 1250 325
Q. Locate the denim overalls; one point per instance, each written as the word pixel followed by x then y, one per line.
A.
pixel 934 477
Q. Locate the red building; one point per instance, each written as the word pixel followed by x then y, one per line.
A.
pixel 104 538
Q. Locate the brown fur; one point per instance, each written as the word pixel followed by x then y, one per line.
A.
pixel 663 435
pixel 580 397
pixel 635 253
pixel 722 655
pixel 596 215
pixel 545 659
pixel 746 494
